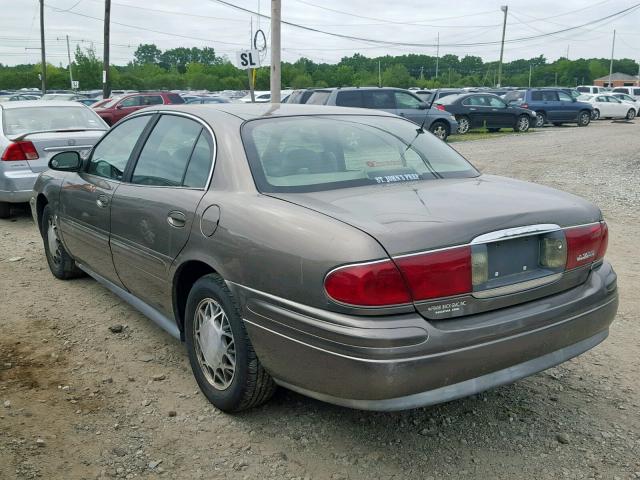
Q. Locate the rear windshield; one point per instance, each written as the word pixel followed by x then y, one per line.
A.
pixel 313 153
pixel 16 121
pixel 319 97
pixel 175 98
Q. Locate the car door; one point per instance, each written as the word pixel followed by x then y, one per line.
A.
pixel 127 106
pixel 85 198
pixel 618 108
pixel 501 114
pixel 410 107
pixel 602 105
pixel 477 110
pixel 566 107
pixel 153 211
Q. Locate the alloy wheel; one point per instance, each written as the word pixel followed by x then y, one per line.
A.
pixel 596 114
pixel 440 132
pixel 523 124
pixel 539 120
pixel 631 114
pixel 463 125
pixel 214 343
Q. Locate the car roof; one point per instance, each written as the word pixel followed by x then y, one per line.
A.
pixel 251 111
pixel 40 103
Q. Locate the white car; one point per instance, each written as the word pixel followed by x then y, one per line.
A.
pixel 629 99
pixel 265 96
pixel 592 89
pixel 632 91
pixel 608 106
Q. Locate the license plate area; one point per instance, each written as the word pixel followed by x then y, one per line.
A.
pixel 512 261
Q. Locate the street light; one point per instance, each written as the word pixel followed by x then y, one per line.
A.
pixel 505 9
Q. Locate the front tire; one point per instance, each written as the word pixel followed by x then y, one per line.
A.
pixel 5 209
pixel 222 358
pixel 61 264
pixel 584 118
pixel 631 114
pixel 541 119
pixel 439 129
pixel 596 114
pixel 523 124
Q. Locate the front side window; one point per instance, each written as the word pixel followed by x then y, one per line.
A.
pixel 404 100
pixel 134 101
pixel 349 98
pixel 564 97
pixel 549 96
pixel 307 154
pixel 495 102
pixel 164 158
pixel 109 158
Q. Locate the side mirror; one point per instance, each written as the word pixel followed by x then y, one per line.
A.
pixel 66 162
pixel 423 106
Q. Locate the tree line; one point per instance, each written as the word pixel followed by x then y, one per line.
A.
pixel 200 68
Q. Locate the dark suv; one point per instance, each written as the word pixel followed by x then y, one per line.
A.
pixel 554 105
pixel 393 100
pixel 119 107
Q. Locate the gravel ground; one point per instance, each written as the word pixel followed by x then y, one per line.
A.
pixel 78 401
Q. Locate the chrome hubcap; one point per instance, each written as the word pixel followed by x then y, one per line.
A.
pixel 463 125
pixel 54 242
pixel 524 123
pixel 631 114
pixel 214 343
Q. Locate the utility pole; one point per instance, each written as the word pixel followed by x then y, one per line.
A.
pixel 505 9
pixel 43 75
pixel 106 84
pixel 530 71
pixel 70 68
pixel 276 11
pixel 422 72
pixel 567 57
pixel 556 80
pixel 379 74
pixel 437 54
pixel 613 46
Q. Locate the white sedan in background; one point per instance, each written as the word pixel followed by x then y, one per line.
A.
pixel 608 106
pixel 628 99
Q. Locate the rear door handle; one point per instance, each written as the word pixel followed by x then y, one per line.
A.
pixel 102 201
pixel 177 219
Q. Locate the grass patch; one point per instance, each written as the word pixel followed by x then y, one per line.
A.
pixel 483 134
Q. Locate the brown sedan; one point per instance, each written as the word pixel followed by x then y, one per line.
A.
pixel 345 254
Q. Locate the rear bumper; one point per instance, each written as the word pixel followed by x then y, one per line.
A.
pixel 401 362
pixel 17 186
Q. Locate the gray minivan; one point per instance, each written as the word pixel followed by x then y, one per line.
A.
pixel 393 100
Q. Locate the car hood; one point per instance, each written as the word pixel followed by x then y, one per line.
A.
pixel 584 105
pixel 410 217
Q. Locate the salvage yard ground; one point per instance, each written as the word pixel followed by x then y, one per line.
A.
pixel 78 401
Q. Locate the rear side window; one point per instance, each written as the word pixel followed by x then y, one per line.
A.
pixel 379 99
pixel 319 97
pixel 620 90
pixel 636 91
pixel 352 98
pixel 165 155
pixel 175 98
pixel 134 101
pixel 512 96
pixel 583 89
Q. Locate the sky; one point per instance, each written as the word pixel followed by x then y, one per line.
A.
pixel 186 23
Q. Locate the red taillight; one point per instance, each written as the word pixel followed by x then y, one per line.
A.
pixel 20 151
pixel 586 244
pixel 441 107
pixel 437 274
pixel 373 284
pixel 524 105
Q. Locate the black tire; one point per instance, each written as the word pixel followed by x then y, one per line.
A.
pixel 464 124
pixel 595 115
pixel 493 130
pixel 61 264
pixel 631 114
pixel 250 385
pixel 541 119
pixel 584 118
pixel 5 209
pixel 522 124
pixel 440 129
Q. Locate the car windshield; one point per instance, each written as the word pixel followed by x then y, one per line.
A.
pixel 16 121
pixel 313 153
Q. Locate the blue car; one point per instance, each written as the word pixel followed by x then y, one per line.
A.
pixel 552 105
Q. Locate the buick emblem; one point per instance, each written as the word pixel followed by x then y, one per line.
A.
pixel 71 142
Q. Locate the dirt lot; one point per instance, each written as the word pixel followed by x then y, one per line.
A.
pixel 78 401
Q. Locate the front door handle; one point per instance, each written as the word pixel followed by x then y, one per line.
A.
pixel 102 201
pixel 177 219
